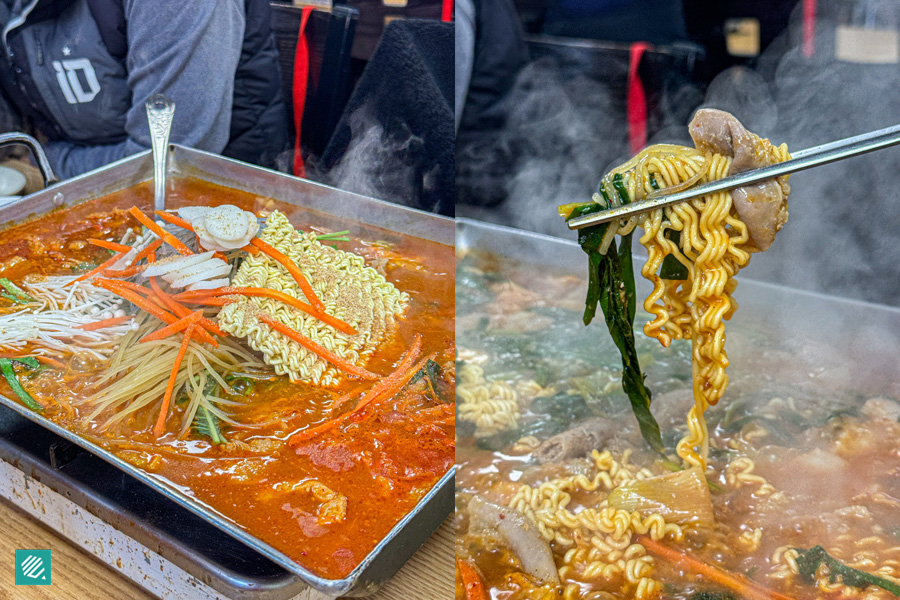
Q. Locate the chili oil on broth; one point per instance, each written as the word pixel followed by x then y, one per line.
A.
pixel 805 447
pixel 383 464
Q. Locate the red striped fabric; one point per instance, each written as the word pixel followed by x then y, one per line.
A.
pixel 301 77
pixel 636 106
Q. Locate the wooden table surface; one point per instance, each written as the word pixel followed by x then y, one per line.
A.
pixel 77 575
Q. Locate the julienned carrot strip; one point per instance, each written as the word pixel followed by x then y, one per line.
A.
pixel 104 323
pixel 158 302
pixel 316 348
pixel 123 273
pixel 50 361
pixel 341 400
pixel 293 269
pixel 117 288
pixel 250 249
pixel 209 300
pixel 369 398
pixel 274 295
pixel 400 382
pixel 170 388
pixel 130 285
pixel 389 381
pixel 96 270
pixel 304 435
pixel 156 306
pixel 145 253
pixel 737 583
pixel 373 393
pixel 471 581
pixel 179 325
pixel 114 246
pixel 168 300
pixel 290 301
pixel 182 311
pixel 174 220
pixel 159 231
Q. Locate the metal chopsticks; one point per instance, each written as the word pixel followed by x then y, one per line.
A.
pixel 803 159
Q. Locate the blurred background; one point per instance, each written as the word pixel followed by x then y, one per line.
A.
pixel 553 93
pixel 367 90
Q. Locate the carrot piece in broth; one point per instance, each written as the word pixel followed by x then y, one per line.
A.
pixel 170 388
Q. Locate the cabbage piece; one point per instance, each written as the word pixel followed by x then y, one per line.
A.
pixel 681 497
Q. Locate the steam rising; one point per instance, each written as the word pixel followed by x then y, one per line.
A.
pixel 842 234
pixel 564 133
pixel 376 164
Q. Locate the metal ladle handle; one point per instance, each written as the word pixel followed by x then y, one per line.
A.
pixel 160 110
pixel 8 139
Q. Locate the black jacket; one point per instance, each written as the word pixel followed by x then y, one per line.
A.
pixel 82 69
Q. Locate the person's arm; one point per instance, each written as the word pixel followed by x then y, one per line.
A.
pixel 186 50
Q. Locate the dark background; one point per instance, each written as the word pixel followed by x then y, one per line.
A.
pixel 564 122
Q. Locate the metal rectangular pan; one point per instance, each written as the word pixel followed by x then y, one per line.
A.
pixel 862 337
pixel 128 506
pixel 335 206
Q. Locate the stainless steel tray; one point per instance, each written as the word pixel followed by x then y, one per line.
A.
pixel 862 339
pixel 210 556
pixel 336 207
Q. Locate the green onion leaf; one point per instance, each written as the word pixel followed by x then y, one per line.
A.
pixel 809 561
pixel 16 294
pixel 671 267
pixel 6 369
pixel 619 185
pixel 611 284
pixel 207 424
pixel 336 236
pixel 29 361
pixel 619 314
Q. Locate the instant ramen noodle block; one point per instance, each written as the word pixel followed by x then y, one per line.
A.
pixel 351 291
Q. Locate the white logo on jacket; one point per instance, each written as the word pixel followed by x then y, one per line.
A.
pixel 70 83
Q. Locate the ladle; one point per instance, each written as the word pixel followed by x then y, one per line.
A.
pixel 160 110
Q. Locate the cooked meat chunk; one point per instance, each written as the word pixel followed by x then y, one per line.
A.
pixel 520 534
pixel 576 442
pixel 763 207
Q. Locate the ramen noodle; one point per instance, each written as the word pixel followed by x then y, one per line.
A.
pixel 569 503
pixel 296 380
pixel 708 239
